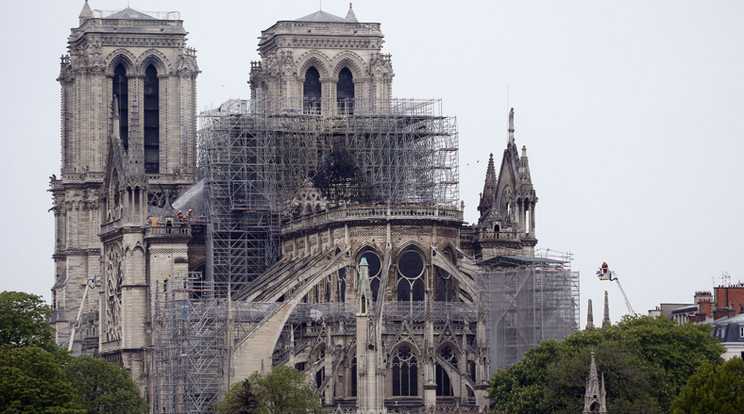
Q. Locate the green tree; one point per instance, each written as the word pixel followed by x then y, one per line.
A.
pixel 32 381
pixel 238 400
pixel 24 321
pixel 104 387
pixel 644 360
pixel 713 390
pixel 282 391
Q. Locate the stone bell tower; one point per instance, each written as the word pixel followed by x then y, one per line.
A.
pixel 322 64
pixel 129 82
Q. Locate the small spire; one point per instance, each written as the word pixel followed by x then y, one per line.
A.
pixel 589 316
pixel 606 320
pixel 488 196
pixel 350 16
pixel 593 367
pixel 86 13
pixel 594 396
pixel 524 151
pixel 364 291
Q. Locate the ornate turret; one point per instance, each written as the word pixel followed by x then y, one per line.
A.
pixel 594 397
pixel 507 204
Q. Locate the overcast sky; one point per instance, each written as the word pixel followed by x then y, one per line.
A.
pixel 632 113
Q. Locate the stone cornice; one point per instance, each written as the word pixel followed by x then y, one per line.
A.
pixel 373 216
pixel 110 231
pixel 329 42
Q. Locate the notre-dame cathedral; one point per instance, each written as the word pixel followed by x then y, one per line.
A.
pixel 316 224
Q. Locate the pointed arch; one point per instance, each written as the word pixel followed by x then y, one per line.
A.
pixel 411 274
pixel 316 59
pixel 311 91
pixel 350 60
pixel 345 92
pixel 404 370
pixel 448 353
pixel 156 58
pixel 123 57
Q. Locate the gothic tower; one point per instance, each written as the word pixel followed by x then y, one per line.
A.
pixel 324 64
pixel 128 147
pixel 507 204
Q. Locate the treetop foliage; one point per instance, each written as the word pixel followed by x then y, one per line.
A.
pixel 36 376
pixel 104 387
pixel 713 389
pixel 239 399
pixel 32 381
pixel 24 321
pixel 645 362
pixel 281 391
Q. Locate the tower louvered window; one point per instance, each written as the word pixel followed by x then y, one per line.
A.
pixel 345 92
pixel 121 94
pixel 311 91
pixel 152 120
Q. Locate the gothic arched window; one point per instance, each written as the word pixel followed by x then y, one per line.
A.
pixel 373 261
pixel 405 372
pixel 311 91
pixel 345 92
pixel 121 93
pixel 444 385
pixel 410 277
pixel 152 120
pixel 443 287
pixel 341 290
pixel 353 377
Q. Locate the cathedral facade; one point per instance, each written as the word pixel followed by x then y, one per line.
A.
pixel 322 229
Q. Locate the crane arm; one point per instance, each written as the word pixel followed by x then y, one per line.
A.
pixel 627 301
pixel 604 273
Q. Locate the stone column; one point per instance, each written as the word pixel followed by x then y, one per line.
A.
pixel 328 96
pixel 532 218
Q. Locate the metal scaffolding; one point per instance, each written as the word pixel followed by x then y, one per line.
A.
pixel 238 157
pixel 527 305
pixel 256 157
pixel 261 157
pixel 189 346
